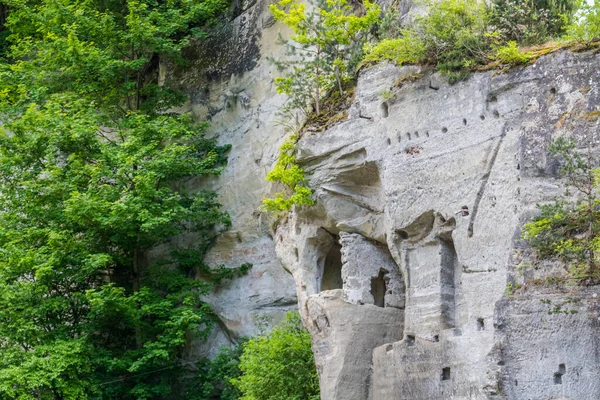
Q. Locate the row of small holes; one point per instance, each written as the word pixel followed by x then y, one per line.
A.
pixel 409 136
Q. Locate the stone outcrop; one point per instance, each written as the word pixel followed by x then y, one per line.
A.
pixel 400 270
pixel 230 83
pixel 401 267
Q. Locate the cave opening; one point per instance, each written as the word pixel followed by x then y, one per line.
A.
pixel 378 288
pixel 332 268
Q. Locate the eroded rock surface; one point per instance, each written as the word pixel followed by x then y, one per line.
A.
pixel 421 198
pixel 230 83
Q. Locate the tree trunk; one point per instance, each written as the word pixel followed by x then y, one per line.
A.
pixel 318 94
pixel 3 15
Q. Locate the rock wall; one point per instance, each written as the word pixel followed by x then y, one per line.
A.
pixel 400 270
pixel 230 83
pixel 401 267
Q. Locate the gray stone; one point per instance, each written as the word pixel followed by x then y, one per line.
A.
pixel 439 181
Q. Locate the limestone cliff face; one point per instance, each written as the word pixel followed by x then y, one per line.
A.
pixel 230 83
pixel 401 267
pixel 400 270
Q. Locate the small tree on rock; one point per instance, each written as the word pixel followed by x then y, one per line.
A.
pixel 569 229
pixel 325 35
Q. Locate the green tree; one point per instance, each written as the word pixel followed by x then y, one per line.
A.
pixel 93 173
pixel 214 378
pixel 325 35
pixel 569 229
pixel 280 365
pixel 531 21
pixel 586 23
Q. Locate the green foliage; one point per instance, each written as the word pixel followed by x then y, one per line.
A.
pixel 531 22
pixel 213 381
pixel 569 230
pixel 560 308
pixel 325 36
pixel 453 35
pixel 585 26
pixel 458 35
pixel 388 26
pixel 93 176
pixel 408 49
pixel 511 288
pixel 280 365
pixel 511 54
pixel 287 172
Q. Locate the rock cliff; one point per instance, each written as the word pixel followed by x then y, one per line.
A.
pixel 401 267
pixel 400 270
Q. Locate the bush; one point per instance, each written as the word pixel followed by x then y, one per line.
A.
pixel 287 172
pixel 569 230
pixel 408 49
pixel 215 376
pixel 511 54
pixel 280 365
pixel 530 22
pixel 454 36
pixel 586 23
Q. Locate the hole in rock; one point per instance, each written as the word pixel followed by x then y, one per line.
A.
pixel 427 133
pixel 408 136
pixel 378 288
pixel 410 340
pixel 501 363
pixel 558 378
pixel 496 114
pixel 562 369
pixel 296 253
pixel 553 91
pixel 493 99
pixel 436 338
pixel 480 324
pixel 384 110
pixel 516 382
pixel 444 130
pixel 446 374
pixel 464 121
pixel 332 269
pixel 417 134
pixel 482 117
pixel 402 234
pixel 389 141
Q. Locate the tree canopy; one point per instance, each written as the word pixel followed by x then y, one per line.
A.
pixel 93 173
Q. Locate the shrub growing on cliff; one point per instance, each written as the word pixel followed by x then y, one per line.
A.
pixel 453 35
pixel 531 22
pixel 279 365
pixel 287 172
pixel 511 54
pixel 325 34
pixel 570 229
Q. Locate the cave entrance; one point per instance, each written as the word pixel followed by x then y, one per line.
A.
pixel 378 288
pixel 332 268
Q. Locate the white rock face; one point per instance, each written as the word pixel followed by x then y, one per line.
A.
pixel 230 82
pixel 420 200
